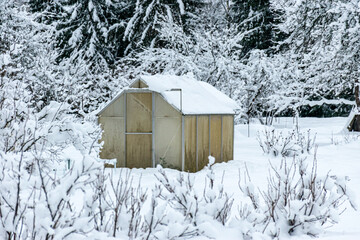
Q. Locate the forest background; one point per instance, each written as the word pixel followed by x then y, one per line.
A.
pixel 274 57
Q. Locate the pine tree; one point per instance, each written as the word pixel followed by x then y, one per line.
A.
pixel 40 5
pixel 256 19
pixel 85 31
pixel 47 11
pixel 144 28
pixel 4 38
pixel 119 16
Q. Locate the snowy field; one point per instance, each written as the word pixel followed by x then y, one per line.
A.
pixel 337 152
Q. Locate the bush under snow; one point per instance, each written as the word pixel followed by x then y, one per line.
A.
pixel 287 144
pixel 297 200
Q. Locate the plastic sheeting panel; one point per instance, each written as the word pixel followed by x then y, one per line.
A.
pixel 164 109
pixel 203 141
pixel 138 150
pixel 228 137
pixel 215 137
pixel 115 109
pixel 190 143
pixel 168 142
pixel 138 112
pixel 113 137
pixel 167 134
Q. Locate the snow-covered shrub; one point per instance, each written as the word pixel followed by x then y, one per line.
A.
pixel 17 122
pixel 345 138
pixel 40 195
pixel 43 203
pixel 302 201
pixel 218 201
pixel 60 129
pixel 62 199
pixel 125 211
pixel 14 204
pixel 252 212
pixel 297 201
pixel 213 206
pixel 21 126
pixel 289 144
pixel 118 205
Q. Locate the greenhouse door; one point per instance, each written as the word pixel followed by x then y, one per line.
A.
pixel 138 130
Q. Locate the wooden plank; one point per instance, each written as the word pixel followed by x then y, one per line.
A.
pixel 138 150
pixel 215 137
pixel 228 131
pixel 138 112
pixel 190 143
pixel 203 141
pixel 113 137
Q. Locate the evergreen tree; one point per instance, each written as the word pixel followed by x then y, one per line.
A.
pixel 121 13
pixel 47 11
pixel 143 29
pixel 86 29
pixel 254 18
pixel 4 18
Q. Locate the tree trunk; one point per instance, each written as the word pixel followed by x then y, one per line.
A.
pixel 357 97
pixel 355 122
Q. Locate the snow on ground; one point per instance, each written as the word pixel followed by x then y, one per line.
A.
pixel 337 152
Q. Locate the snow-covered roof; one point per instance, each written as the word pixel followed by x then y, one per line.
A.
pixel 195 97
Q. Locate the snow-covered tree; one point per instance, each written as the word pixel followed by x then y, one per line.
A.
pixel 322 41
pixel 256 17
pixel 82 82
pixel 46 11
pixel 144 27
pixel 209 50
pixel 212 50
pixel 85 28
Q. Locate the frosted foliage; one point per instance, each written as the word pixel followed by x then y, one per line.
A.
pixel 259 83
pixel 171 209
pixel 293 143
pixel 48 162
pixel 86 201
pixel 82 31
pixel 268 85
pixel 28 56
pixel 315 64
pixel 297 201
pixel 322 40
pixel 45 172
pixel 197 210
pixel 39 139
pixel 142 28
pixel 40 203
